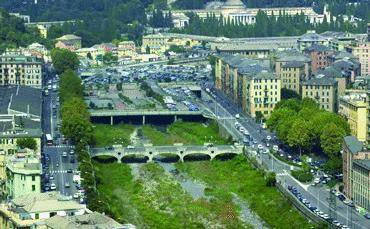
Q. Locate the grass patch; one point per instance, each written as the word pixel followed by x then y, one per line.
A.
pixel 155 200
pixel 238 176
pixel 188 133
pixel 106 135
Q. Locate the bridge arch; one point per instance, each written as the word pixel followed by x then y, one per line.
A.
pixel 166 157
pixel 197 157
pixel 135 158
pixel 225 156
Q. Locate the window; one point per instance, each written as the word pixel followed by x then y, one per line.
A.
pixel 33 188
pixel 33 178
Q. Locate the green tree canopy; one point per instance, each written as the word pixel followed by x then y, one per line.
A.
pixel 299 135
pixel 70 86
pixel 63 60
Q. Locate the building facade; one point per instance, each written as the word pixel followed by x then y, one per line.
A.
pixel 248 83
pixel 69 41
pixel 20 70
pixel 291 75
pixel 353 108
pixel 362 52
pixel 356 172
pixel 319 56
pixel 322 90
pixel 23 174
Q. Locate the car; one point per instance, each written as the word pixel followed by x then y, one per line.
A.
pixel 130 147
pixel 53 186
pixel 316 181
pixel 67 185
pixel 72 160
pixel 72 152
pixel 57 164
pixel 64 154
pixel 51 177
pixel 336 223
pixel 69 171
pixel 367 215
pixel 76 195
pixel 344 227
pixel 237 116
pixel 268 138
pixel 260 146
pixel 341 197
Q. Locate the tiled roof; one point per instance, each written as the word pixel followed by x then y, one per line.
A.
pixel 363 163
pixel 323 81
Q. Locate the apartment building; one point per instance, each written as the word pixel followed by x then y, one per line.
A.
pixel 319 56
pixel 356 172
pixel 23 174
pixel 20 70
pixel 353 108
pixel 291 55
pixel 291 75
pixel 362 52
pixel 323 90
pixel 248 83
pixel 126 48
pixel 309 39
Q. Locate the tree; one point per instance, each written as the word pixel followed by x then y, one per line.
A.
pixel 270 179
pixel 29 143
pixel 109 58
pixel 259 116
pixel 88 55
pixel 331 139
pixel 70 86
pixel 119 86
pixel 147 49
pixel 299 135
pixel 63 60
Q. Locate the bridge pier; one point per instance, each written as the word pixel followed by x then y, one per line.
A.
pixel 175 118
pixel 111 120
pixel 143 120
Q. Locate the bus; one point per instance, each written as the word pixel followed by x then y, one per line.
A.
pixel 49 139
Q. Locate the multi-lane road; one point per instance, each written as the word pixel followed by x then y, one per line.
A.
pixel 58 168
pixel 318 196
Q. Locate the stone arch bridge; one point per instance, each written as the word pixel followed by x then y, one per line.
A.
pixel 150 152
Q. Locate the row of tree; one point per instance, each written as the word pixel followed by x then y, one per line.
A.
pixel 265 26
pixel 302 125
pixel 76 124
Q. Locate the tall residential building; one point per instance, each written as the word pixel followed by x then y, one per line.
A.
pixel 20 70
pixel 362 52
pixel 353 108
pixel 368 31
pixel 291 75
pixel 356 172
pixel 323 90
pixel 126 48
pixel 292 55
pixel 30 210
pixel 319 56
pixel 23 174
pixel 248 83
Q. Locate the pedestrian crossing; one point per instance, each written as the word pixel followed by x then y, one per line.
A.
pixel 60 171
pixel 60 146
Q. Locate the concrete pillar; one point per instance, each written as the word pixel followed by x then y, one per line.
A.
pixel 150 158
pixel 111 120
pixel 143 119
pixel 175 119
pixel 181 158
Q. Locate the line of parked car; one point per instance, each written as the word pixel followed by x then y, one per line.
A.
pixel 314 209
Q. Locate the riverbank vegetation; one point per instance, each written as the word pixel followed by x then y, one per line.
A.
pixel 188 133
pixel 149 197
pixel 107 135
pixel 238 176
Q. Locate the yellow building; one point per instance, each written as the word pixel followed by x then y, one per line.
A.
pixel 291 75
pixel 43 31
pixel 84 52
pixel 353 108
pixel 292 56
pixel 248 83
pixel 362 52
pixel 324 91
pixel 126 48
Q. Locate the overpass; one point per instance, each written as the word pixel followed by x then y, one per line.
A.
pixel 151 152
pixel 112 114
pixel 48 24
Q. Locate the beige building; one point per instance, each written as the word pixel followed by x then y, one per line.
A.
pixel 356 172
pixel 237 12
pixel 353 108
pixel 248 83
pixel 362 52
pixel 291 56
pixel 291 74
pixel 30 210
pixel 20 70
pixel 69 41
pixel 322 90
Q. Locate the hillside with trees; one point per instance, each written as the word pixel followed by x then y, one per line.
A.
pixel 13 33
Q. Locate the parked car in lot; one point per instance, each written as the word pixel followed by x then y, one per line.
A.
pixel 53 187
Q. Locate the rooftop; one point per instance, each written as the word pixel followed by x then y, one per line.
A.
pixel 68 37
pixel 44 202
pixel 322 81
pixel 318 48
pixel 93 220
pixel 311 36
pixel 294 64
pixel 291 55
pixel 243 64
pixel 18 59
pixel 353 144
pixel 23 163
pixel 363 163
